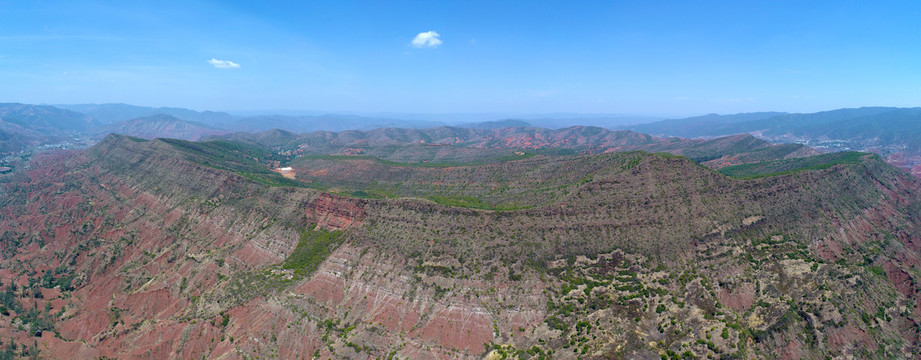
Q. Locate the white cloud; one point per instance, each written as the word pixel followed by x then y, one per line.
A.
pixel 426 39
pixel 223 64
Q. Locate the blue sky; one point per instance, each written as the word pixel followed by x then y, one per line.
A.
pixel 622 57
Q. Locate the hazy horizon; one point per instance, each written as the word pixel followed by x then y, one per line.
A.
pixel 464 116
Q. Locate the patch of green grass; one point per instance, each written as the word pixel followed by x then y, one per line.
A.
pixel 470 202
pixel 878 270
pixel 270 179
pixel 242 159
pixel 670 155
pixel 435 164
pixel 790 166
pixel 313 247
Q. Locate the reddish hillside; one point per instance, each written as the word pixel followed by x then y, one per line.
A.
pixel 169 249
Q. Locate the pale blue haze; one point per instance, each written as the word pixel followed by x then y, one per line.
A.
pixel 624 57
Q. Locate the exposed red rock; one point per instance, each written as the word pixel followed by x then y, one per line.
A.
pixel 333 212
pixel 739 298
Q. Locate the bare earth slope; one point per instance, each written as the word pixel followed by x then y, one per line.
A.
pixel 170 249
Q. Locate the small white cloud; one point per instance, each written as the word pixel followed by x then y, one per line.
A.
pixel 223 64
pixel 426 39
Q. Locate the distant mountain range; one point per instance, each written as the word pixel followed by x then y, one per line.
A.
pixel 457 144
pixel 24 125
pixel 112 113
pixel 894 133
pixel 160 126
pixel 45 118
pixel 860 127
pixel 327 122
pixel 497 124
pixel 703 126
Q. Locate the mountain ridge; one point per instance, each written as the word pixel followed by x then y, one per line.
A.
pixel 890 132
pixel 178 249
pixel 456 144
pixel 161 125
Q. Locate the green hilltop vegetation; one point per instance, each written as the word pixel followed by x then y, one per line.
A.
pixel 790 166
pixel 513 180
pixel 436 164
pixel 245 159
pixel 489 180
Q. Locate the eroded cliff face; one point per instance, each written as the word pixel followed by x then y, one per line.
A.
pixel 364 304
pixel 137 258
pixel 153 256
pixel 157 275
pixel 333 212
